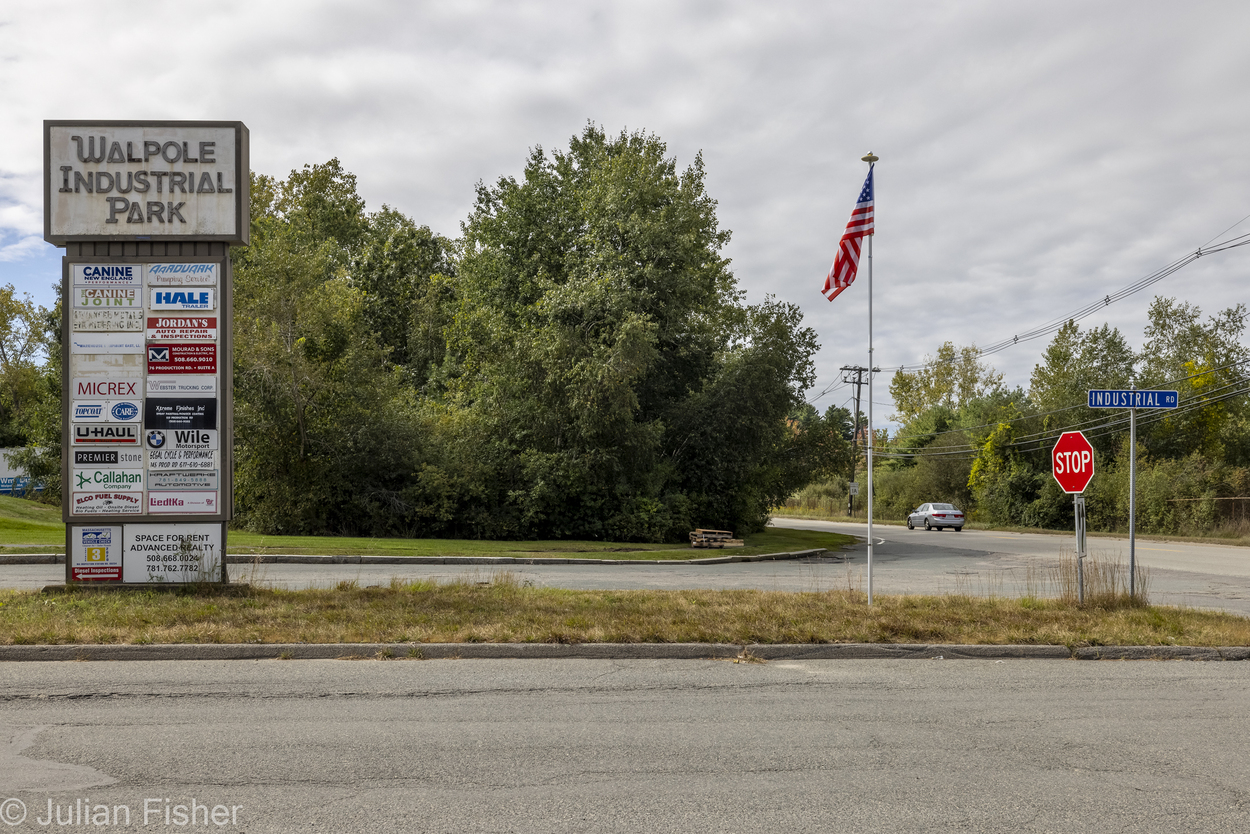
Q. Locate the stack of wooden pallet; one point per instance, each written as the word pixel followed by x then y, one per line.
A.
pixel 714 538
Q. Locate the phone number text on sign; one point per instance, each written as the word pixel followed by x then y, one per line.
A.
pixel 182 359
pixel 167 460
pixel 171 552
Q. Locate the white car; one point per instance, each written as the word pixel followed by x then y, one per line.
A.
pixel 936 516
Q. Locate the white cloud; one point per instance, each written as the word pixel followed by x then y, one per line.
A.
pixel 1034 156
pixel 22 249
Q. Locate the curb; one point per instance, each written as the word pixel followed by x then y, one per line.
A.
pixel 32 558
pixel 909 651
pixel 362 651
pixel 1162 653
pixel 273 559
pixel 608 651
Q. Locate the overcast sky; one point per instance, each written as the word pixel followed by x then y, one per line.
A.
pixel 1034 156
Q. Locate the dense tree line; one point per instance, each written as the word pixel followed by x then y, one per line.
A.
pixel 30 387
pixel 967 439
pixel 578 363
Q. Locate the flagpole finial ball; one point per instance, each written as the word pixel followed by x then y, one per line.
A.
pixel 870 158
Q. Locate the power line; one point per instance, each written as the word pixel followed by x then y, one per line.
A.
pixel 1229 229
pixel 1065 408
pixel 1107 300
pixel 829 389
pixel 1097 427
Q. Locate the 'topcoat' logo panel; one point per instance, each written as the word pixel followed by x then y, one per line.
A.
pixel 106 411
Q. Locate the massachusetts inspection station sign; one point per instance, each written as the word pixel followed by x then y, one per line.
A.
pixel 124 181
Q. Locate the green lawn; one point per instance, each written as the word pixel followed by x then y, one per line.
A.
pixel 26 526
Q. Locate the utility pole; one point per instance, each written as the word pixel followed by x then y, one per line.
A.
pixel 858 382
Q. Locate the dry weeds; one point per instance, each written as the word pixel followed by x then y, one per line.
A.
pixel 505 610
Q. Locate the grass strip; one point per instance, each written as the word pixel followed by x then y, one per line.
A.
pixel 772 540
pixel 502 609
pixel 30 527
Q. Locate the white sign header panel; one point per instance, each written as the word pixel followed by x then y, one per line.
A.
pixel 145 181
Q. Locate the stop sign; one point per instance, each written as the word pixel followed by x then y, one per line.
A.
pixel 1073 461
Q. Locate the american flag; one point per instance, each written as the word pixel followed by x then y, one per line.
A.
pixel 846 264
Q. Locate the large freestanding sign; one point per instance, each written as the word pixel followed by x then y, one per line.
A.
pixel 146 212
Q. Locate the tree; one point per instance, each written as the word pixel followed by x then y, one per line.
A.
pixel 950 379
pixel 1206 363
pixel 319 203
pixel 401 269
pixel 30 399
pixel 600 345
pixel 1001 481
pixel 579 363
pixel 23 346
pixel 1075 362
pixel 322 431
pixel 1072 364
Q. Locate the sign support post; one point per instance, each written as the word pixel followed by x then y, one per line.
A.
pixel 1132 399
pixel 1078 506
pixel 1132 502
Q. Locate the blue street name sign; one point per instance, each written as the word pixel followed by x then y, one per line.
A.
pixel 1132 398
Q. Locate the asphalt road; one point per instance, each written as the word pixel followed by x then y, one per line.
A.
pixel 1012 564
pixel 905 561
pixel 633 746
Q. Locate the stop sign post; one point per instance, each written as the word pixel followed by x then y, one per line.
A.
pixel 1072 462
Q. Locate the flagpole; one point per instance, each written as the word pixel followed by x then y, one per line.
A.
pixel 870 159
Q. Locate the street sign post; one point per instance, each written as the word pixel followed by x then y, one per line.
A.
pixel 1072 464
pixel 1132 399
